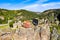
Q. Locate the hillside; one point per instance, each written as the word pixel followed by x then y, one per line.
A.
pixel 45 30
pixel 51 13
pixel 16 14
pixel 6 14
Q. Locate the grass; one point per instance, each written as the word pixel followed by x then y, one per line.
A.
pixel 57 27
pixel 4 26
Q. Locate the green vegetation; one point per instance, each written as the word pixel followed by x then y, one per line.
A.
pixel 51 15
pixel 57 27
pixel 15 14
pixel 28 15
pixel 4 26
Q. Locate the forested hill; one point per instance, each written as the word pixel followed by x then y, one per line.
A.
pixel 6 15
pixel 49 13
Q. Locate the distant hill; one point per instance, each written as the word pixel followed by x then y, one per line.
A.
pixel 51 11
pixel 16 14
pixel 22 14
pixel 51 14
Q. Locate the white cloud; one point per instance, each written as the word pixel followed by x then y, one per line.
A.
pixel 32 7
pixel 38 1
pixel 42 7
pixel 52 4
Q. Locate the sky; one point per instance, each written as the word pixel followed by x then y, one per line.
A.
pixel 31 5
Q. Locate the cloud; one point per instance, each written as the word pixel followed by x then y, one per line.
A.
pixel 52 5
pixel 32 7
pixel 37 1
pixel 42 7
pixel 38 7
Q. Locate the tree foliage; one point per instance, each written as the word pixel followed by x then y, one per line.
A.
pixel 12 14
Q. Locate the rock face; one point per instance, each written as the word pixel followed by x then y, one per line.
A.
pixel 36 34
pixel 40 33
pixel 27 34
pixel 58 37
pixel 5 36
pixel 54 34
pixel 45 32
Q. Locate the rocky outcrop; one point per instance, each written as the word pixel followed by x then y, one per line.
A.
pixel 58 37
pixel 54 34
pixel 45 32
pixel 27 34
pixel 40 33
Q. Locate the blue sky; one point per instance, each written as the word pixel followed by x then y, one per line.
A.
pixel 32 5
